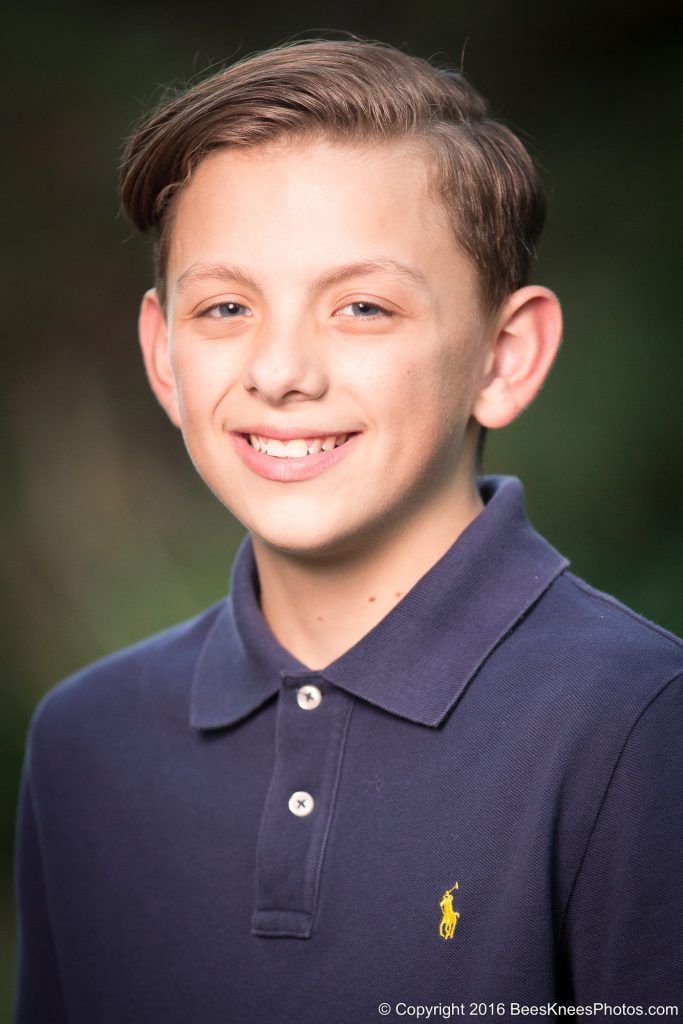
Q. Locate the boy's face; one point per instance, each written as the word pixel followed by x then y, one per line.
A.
pixel 320 291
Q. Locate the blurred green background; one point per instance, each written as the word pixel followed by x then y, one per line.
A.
pixel 108 534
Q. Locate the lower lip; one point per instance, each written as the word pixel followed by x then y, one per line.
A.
pixel 286 470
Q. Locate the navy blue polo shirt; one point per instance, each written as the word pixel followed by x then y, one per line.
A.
pixel 480 802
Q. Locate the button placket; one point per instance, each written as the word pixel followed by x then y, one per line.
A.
pixel 312 720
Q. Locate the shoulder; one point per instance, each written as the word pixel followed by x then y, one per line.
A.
pixel 594 663
pixel 615 616
pixel 604 631
pixel 142 676
pixel 600 693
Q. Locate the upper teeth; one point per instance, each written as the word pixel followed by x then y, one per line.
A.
pixel 297 447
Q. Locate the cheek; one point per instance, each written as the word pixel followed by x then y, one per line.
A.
pixel 427 391
pixel 203 375
pixel 455 376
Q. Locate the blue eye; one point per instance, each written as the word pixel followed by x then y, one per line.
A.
pixel 226 311
pixel 366 310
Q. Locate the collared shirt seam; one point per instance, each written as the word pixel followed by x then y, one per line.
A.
pixel 601 803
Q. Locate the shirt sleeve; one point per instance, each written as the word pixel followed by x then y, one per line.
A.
pixel 624 921
pixel 38 996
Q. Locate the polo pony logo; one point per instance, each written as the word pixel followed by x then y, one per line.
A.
pixel 449 917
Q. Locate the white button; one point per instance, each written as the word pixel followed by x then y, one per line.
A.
pixel 301 803
pixel 308 697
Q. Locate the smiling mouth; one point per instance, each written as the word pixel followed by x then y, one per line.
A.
pixel 296 448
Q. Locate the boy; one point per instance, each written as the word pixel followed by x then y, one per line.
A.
pixel 411 765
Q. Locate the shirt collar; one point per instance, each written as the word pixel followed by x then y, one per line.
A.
pixel 419 658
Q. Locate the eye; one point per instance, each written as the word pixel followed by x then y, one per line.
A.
pixel 226 311
pixel 365 310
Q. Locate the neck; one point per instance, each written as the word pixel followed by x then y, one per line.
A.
pixel 318 609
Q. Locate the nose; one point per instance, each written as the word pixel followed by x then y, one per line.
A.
pixel 286 363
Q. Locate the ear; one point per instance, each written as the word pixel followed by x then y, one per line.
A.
pixel 154 341
pixel 525 340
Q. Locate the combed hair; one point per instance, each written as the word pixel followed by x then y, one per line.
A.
pixel 353 91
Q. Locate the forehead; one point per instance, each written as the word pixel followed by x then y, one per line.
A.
pixel 320 191
pixel 329 166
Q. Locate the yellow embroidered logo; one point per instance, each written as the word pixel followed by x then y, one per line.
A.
pixel 449 917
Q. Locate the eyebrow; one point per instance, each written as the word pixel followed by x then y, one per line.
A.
pixel 227 272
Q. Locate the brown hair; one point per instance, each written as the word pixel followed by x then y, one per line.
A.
pixel 357 91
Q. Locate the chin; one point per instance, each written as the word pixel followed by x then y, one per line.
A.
pixel 299 540
pixel 305 536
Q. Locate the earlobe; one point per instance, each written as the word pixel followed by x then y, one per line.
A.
pixel 154 342
pixel 525 342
